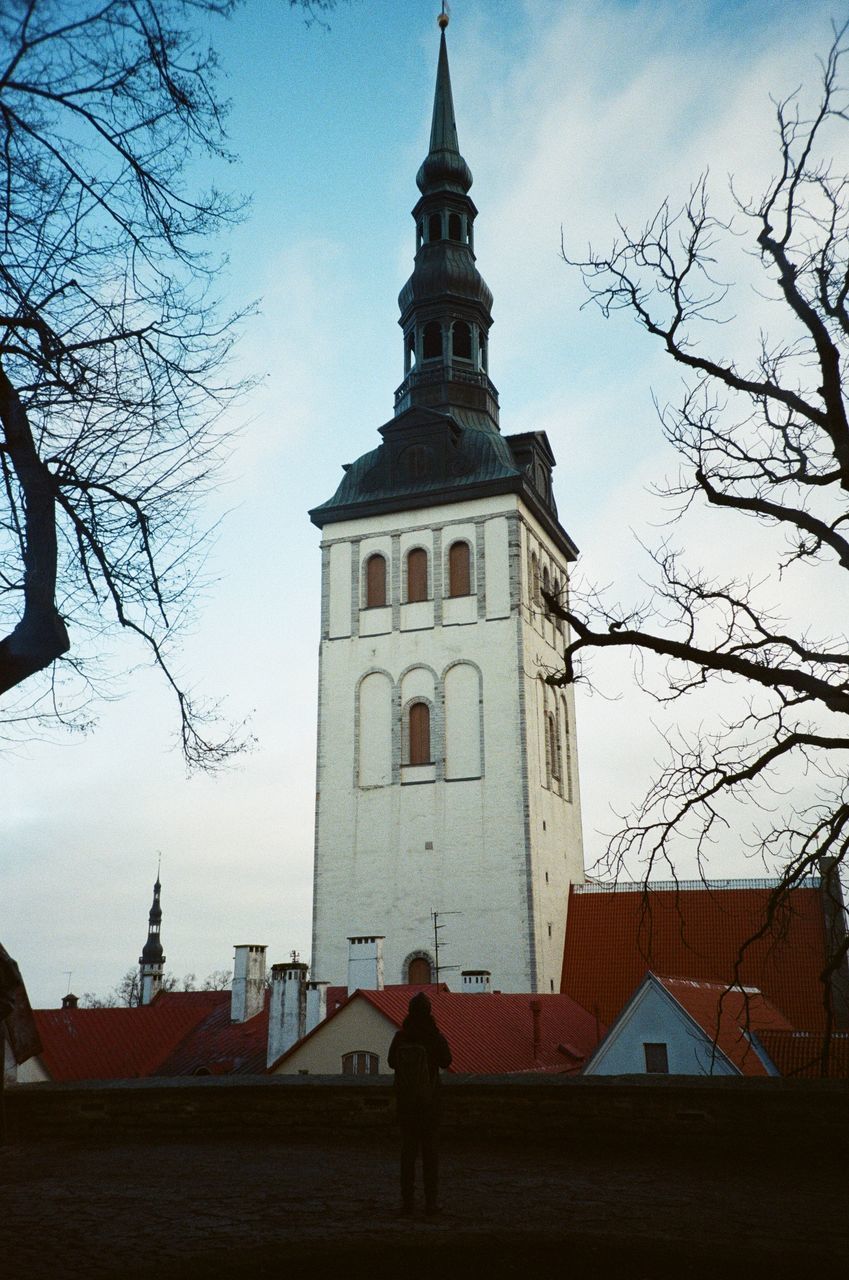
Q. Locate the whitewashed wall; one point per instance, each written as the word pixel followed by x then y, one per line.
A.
pixel 463 834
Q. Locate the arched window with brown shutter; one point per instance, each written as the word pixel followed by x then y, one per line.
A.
pixel 419 726
pixel 419 971
pixel 459 570
pixel 417 575
pixel 375 582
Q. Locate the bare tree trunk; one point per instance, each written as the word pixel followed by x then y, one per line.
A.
pixel 41 636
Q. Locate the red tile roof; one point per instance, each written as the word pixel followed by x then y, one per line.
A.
pixel 727 1017
pixel 799 1053
pixel 120 1043
pixel 614 935
pixel 494 1034
pixel 217 1046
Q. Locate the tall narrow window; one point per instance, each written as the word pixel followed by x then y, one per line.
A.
pixel 459 570
pixel 455 227
pixel 432 341
pixel 420 733
pixel 461 341
pixel 417 575
pixel 535 597
pixel 375 582
pixel 434 226
pixel 552 747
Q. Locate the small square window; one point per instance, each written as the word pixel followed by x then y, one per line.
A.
pixel 657 1059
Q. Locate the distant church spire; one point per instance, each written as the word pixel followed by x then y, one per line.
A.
pixel 152 958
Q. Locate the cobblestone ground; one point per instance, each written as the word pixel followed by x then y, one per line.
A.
pixel 186 1211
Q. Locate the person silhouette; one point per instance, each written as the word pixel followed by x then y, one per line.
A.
pixel 416 1054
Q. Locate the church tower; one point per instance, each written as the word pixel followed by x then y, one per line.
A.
pixel 447 775
pixel 152 958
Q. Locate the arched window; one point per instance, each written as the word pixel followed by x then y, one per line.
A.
pixel 360 1063
pixel 558 622
pixel 419 972
pixel 568 745
pixel 419 724
pixel 459 570
pixel 417 575
pixel 535 596
pixel 461 341
pixel 482 352
pixel 432 341
pixel 375 582
pixel 552 746
pixel 434 226
pixel 546 583
pixel 409 352
pixel 455 227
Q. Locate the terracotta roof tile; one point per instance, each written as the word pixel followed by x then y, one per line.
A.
pixel 120 1043
pixel 799 1053
pixel 217 1046
pixel 493 1034
pixel 613 936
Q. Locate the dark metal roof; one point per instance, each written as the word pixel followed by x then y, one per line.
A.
pixel 443 444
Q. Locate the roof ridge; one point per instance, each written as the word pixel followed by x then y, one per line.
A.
pixel 654 886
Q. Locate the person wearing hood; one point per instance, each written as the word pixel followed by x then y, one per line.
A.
pixel 416 1054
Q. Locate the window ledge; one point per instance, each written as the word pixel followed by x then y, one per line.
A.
pixel 413 773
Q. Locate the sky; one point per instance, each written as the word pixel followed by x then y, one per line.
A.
pixel 570 114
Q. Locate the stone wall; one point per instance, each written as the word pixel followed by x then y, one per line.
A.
pixel 744 1114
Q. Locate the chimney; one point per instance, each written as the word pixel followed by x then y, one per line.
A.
pixel 834 914
pixel 365 963
pixel 316 1004
pixel 288 1007
pixel 536 1014
pixel 70 1001
pixel 248 993
pixel 476 982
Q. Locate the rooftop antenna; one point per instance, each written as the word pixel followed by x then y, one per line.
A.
pixel 68 974
pixel 436 916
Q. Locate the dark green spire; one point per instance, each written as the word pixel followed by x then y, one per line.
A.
pixel 444 167
pixel 443 130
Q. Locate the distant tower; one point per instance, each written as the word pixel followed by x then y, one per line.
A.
pixel 447 771
pixel 152 958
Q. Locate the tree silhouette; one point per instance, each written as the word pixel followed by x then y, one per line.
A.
pixel 112 345
pixel 764 438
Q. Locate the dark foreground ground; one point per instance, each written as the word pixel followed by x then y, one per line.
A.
pixel 257 1208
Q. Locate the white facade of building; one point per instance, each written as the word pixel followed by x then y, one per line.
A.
pixel 490 828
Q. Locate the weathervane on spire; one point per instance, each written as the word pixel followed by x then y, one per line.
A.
pixel 442 20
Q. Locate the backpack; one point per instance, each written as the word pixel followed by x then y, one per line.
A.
pixel 413 1081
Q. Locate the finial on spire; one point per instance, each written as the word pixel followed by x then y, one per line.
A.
pixel 442 20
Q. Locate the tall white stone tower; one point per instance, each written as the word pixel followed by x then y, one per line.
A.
pixel 447 768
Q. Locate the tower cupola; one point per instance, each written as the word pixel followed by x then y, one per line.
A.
pixel 446 306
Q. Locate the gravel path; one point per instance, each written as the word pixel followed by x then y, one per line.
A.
pixel 183 1211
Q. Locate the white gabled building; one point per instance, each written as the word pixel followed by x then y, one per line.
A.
pixel 447 768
